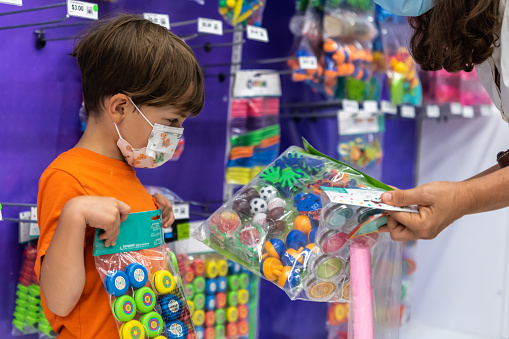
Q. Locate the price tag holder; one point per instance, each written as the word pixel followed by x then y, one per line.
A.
pixel 350 106
pixel 159 19
pixel 210 26
pixel 11 2
pixel 181 211
pixel 407 111
pixel 486 110
pixel 370 106
pixel 257 33
pixel 456 108
pixel 468 112
pixel 82 9
pixel 308 62
pixel 433 111
pixel 388 107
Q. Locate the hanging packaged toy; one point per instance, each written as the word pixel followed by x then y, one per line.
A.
pixel 361 141
pixel 295 223
pixel 141 277
pixel 403 78
pixel 242 11
pixel 472 91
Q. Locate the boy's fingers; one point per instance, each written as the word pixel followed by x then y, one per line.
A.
pixel 124 210
pixel 409 220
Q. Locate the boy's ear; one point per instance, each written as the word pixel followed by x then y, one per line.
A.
pixel 117 107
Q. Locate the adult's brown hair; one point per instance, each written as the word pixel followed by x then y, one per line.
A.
pixel 455 34
pixel 128 54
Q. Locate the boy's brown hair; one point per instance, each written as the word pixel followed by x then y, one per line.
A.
pixel 130 55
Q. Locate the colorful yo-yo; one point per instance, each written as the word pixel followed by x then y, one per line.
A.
pixel 210 318
pixel 211 269
pixel 137 274
pixel 220 300
pixel 132 330
pixel 232 314
pixel 198 267
pixel 176 330
pixel 199 301
pixel 171 307
pixel 189 291
pixel 199 284
pixel 210 303
pixel 221 284
pixel 222 267
pixel 145 299
pixel 152 323
pixel 244 280
pixel 124 308
pixel 116 283
pixel 220 316
pixel 243 312
pixel 233 298
pixel 233 282
pixel 198 317
pixel 164 282
pixel 243 296
pixel 233 266
pixel 211 286
pixel 200 332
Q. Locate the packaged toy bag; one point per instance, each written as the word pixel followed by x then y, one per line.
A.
pixel 242 11
pixel 142 279
pixel 308 223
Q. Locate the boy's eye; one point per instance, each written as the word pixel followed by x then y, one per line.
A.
pixel 173 121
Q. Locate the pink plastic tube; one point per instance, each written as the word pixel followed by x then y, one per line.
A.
pixel 362 291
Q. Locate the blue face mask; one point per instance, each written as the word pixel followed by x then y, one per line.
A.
pixel 406 7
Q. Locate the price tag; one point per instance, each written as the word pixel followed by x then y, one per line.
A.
pixel 456 108
pixel 388 107
pixel 210 26
pixel 11 2
pixel 82 9
pixel 486 110
pixel 468 112
pixel 308 62
pixel 33 228
pixel 370 106
pixel 181 211
pixel 257 33
pixel 350 106
pixel 159 19
pixel 407 111
pixel 433 111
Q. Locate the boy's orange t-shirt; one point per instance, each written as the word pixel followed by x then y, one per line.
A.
pixel 75 173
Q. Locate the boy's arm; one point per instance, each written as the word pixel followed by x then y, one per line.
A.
pixel 486 172
pixel 63 268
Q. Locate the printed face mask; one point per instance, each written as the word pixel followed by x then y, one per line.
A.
pixel 161 145
pixel 406 7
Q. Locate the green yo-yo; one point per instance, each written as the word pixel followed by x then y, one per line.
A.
pixel 199 284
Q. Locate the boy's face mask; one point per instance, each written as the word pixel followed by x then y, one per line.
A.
pixel 406 7
pixel 160 147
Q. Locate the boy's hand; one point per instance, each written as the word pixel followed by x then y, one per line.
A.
pixel 166 210
pixel 103 213
pixel 440 204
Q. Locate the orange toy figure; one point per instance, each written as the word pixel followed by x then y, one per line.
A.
pixel 271 268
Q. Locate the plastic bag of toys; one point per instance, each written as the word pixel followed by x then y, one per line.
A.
pixel 361 141
pixel 404 83
pixel 279 227
pixel 28 316
pixel 223 296
pixel 141 277
pixel 242 11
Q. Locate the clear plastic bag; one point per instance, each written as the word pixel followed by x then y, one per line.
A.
pixel 146 293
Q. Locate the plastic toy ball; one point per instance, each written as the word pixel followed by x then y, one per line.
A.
pixel 124 308
pixel 116 283
pixel 312 235
pixel 296 239
pixel 303 224
pixel 275 248
pixel 258 205
pixel 176 330
pixel 153 323
pixel 145 299
pixel 271 268
pixel 268 193
pixel 289 278
pixel 164 282
pixel 137 274
pixel 132 330
pixel 293 257
pixel 171 307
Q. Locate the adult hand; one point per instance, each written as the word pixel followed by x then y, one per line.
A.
pixel 440 204
pixel 166 209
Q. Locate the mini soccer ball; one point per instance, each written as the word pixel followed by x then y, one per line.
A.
pixel 258 206
pixel 268 193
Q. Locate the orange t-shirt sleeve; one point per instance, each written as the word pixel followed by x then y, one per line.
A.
pixel 56 188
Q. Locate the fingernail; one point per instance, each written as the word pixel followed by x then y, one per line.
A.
pixel 113 244
pixel 386 197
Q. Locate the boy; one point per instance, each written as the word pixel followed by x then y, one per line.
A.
pixel 140 82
